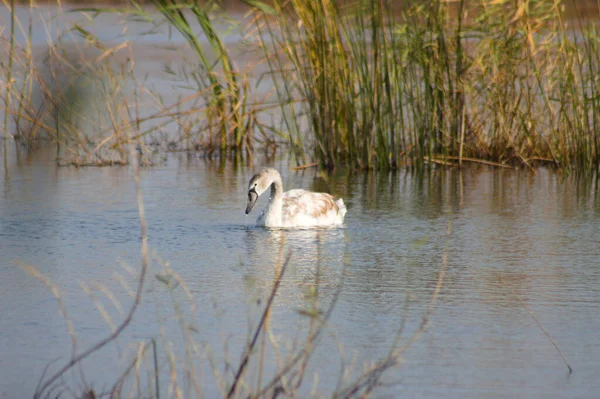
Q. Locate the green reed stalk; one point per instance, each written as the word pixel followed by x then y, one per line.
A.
pixel 9 72
pixel 588 69
pixel 226 95
pixel 284 95
pixel 27 88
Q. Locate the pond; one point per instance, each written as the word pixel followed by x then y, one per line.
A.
pixel 513 248
pixel 480 272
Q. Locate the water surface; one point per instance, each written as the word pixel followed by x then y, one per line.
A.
pixel 513 237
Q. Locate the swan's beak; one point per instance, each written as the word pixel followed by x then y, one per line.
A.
pixel 252 197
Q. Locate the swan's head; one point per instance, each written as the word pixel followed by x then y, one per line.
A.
pixel 259 183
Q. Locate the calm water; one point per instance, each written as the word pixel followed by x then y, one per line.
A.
pixel 511 233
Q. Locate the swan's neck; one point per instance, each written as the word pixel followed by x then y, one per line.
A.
pixel 272 217
pixel 276 188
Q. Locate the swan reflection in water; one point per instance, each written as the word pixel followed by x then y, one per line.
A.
pixel 317 261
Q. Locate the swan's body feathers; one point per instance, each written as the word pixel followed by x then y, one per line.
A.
pixel 307 208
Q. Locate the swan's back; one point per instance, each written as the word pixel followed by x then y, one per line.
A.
pixel 306 208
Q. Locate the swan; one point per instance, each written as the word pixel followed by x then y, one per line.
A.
pixel 294 208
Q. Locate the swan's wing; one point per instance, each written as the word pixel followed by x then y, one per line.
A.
pixel 307 208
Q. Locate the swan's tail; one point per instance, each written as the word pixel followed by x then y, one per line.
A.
pixel 341 207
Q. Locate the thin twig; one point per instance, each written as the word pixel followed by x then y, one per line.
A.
pixel 118 386
pixel 305 166
pixel 438 161
pixel 157 387
pixel 462 134
pixel 310 349
pixel 246 358
pixel 481 161
pixel 537 322
pixel 311 339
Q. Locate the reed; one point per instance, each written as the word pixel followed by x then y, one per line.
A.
pixel 366 84
pixel 383 86
pixel 226 101
pixel 88 101
pixel 10 65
